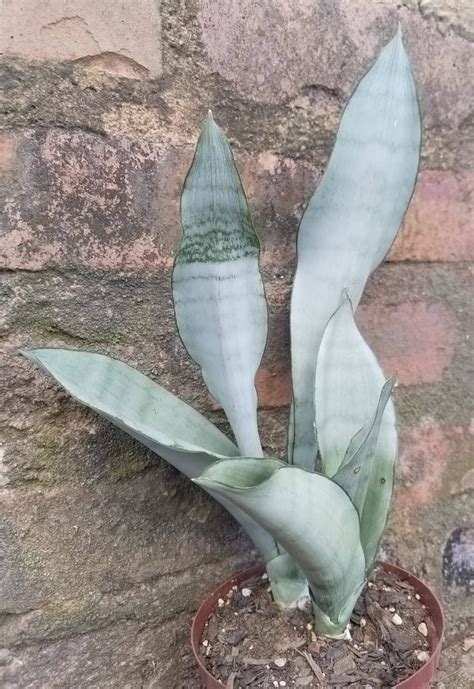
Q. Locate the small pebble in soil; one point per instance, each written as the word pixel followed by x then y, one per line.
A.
pixel 280 662
pixel 220 602
pixel 423 656
pixel 246 593
pixel 396 619
pixel 423 629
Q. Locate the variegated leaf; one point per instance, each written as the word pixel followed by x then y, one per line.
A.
pixel 219 297
pixel 352 218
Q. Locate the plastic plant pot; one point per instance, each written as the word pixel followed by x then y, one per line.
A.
pixel 421 679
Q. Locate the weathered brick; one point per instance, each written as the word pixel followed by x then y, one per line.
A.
pixel 125 655
pixel 273 386
pixel 439 221
pixel 68 543
pixel 76 198
pixel 122 39
pixel 7 152
pixel 80 199
pixel 432 462
pixel 414 341
pixel 275 52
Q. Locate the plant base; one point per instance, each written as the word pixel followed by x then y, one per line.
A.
pixel 225 618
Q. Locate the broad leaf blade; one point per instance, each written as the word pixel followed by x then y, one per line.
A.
pixel 368 476
pixel 354 474
pixel 150 414
pixel 312 518
pixel 219 297
pixel 135 403
pixel 288 582
pixel 349 381
pixel 352 218
pixel 348 384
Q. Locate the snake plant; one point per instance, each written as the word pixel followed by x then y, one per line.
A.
pixel 318 517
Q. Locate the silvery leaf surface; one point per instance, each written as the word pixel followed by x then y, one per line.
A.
pixel 347 389
pixel 356 423
pixel 150 414
pixel 312 518
pixel 219 298
pixel 367 475
pixel 352 219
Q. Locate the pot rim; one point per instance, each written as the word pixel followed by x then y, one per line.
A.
pixel 427 597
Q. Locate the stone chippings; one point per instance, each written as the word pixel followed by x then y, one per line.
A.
pixel 105 549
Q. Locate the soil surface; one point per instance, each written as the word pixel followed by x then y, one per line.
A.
pixel 249 642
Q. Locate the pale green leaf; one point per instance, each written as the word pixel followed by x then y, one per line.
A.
pixel 348 384
pixel 367 476
pixel 218 292
pixel 138 405
pixel 288 581
pixel 312 518
pixel 150 414
pixel 349 381
pixel 354 473
pixel 352 218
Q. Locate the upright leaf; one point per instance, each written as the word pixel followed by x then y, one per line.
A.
pixel 312 518
pixel 151 415
pixel 355 472
pixel 218 292
pixel 350 407
pixel 352 218
pixel 348 384
pixel 367 476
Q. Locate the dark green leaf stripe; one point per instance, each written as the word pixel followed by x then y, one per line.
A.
pixel 215 216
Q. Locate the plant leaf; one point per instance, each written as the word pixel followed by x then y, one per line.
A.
pixel 288 581
pixel 348 384
pixel 352 218
pixel 367 477
pixel 312 518
pixel 355 471
pixel 218 292
pixel 150 414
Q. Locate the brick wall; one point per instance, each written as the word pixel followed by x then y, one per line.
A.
pixel 107 550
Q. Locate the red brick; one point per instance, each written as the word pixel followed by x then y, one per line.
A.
pixel 271 52
pixel 439 223
pixel 78 199
pixel 273 387
pixel 120 38
pixel 414 341
pixel 432 463
pixel 7 151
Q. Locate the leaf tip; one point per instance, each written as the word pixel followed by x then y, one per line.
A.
pixel 345 297
pixel 396 45
pixel 28 354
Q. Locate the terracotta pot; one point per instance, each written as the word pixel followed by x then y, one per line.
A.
pixel 420 680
